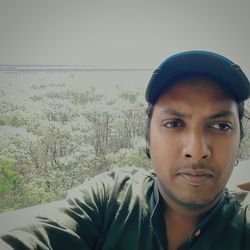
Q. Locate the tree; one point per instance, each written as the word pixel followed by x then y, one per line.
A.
pixel 9 177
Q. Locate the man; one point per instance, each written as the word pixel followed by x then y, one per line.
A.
pixel 194 128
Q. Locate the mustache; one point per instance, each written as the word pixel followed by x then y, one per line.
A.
pixel 196 167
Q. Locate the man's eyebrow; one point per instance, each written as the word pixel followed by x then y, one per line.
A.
pixel 222 114
pixel 169 111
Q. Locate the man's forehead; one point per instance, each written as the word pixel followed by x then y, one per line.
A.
pixel 191 95
pixel 194 82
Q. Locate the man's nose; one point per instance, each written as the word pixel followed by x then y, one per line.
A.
pixel 196 146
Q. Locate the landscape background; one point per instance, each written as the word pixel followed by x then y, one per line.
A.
pixel 60 125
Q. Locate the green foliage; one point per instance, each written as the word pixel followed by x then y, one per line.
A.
pixel 9 177
pixel 12 119
pixel 68 136
pixel 130 157
pixel 130 96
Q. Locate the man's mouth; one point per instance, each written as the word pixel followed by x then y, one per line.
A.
pixel 195 178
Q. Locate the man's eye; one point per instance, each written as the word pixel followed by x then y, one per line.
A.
pixel 173 124
pixel 221 126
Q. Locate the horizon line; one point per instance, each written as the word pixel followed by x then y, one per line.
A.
pixel 20 67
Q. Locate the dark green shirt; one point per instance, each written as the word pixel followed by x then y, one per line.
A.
pixel 122 209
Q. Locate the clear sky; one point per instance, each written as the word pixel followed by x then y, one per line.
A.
pixel 121 33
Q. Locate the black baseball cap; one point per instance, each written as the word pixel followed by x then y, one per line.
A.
pixel 227 73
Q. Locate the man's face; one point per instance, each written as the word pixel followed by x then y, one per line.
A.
pixel 194 141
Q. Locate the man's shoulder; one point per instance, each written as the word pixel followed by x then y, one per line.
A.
pixel 241 199
pixel 241 196
pixel 115 181
pixel 246 209
pixel 245 218
pixel 134 174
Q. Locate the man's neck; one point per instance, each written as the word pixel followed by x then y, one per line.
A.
pixel 179 224
pixel 180 221
pixel 179 228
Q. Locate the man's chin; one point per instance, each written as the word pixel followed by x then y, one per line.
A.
pixel 194 203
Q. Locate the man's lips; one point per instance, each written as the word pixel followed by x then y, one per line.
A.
pixel 195 178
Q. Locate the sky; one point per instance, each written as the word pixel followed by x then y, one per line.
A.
pixel 119 33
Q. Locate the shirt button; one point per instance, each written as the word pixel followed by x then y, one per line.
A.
pixel 197 233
